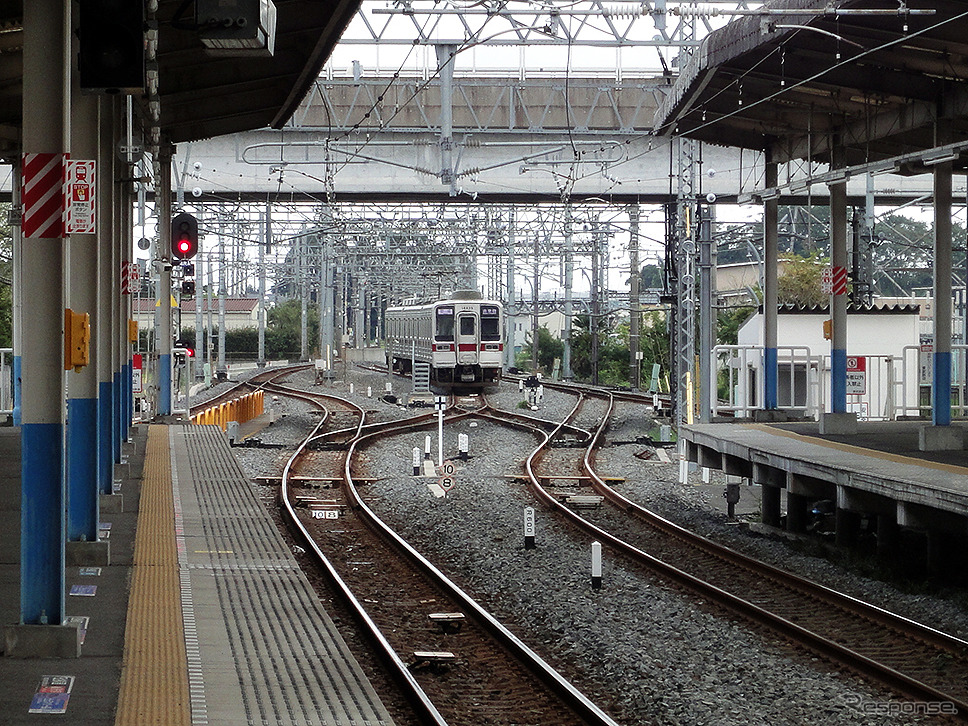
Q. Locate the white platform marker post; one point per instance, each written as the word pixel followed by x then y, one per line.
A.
pixel 520 385
pixel 388 387
pixel 439 403
pixel 683 464
pixel 369 391
pixel 529 528
pixel 416 461
pixel 351 388
pixel 596 565
pixel 463 445
pixel 427 446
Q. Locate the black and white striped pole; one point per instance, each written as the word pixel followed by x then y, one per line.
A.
pixel 529 528
pixel 416 461
pixel 596 565
pixel 440 403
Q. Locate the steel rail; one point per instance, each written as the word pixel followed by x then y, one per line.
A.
pixel 554 680
pixel 422 703
pixel 815 642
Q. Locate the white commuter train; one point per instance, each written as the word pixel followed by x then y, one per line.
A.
pixel 462 338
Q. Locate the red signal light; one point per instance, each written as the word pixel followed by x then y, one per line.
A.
pixel 184 236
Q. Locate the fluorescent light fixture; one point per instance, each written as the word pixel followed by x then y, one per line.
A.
pixel 887 168
pixel 940 157
pixel 768 195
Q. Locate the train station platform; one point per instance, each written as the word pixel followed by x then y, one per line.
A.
pixel 879 471
pixel 203 615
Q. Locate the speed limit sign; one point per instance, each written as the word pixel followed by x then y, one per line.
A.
pixel 446 483
pixel 448 469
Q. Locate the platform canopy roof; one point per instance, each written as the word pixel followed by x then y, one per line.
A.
pixel 203 95
pixel 811 79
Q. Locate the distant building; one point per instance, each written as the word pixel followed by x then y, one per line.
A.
pixel 240 312
pixel 887 364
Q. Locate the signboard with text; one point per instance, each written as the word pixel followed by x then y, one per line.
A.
pixel 856 375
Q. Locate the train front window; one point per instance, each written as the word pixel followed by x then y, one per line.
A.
pixel 445 324
pixel 490 323
pixel 467 325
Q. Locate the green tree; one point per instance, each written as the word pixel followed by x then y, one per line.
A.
pixel 799 281
pixel 612 361
pixel 549 348
pixel 283 325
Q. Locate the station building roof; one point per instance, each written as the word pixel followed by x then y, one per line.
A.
pixel 879 88
pixel 203 95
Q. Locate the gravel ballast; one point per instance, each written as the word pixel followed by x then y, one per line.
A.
pixel 643 650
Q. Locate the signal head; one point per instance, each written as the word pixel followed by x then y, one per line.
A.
pixel 184 236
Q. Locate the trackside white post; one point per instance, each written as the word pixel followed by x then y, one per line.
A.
pixel 369 391
pixel 463 446
pixel 416 461
pixel 351 388
pixel 596 565
pixel 440 403
pixel 427 446
pixel 440 437
pixel 529 528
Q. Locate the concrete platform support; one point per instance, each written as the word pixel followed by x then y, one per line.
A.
pixel 798 511
pixel 82 486
pixel 941 438
pixel 771 505
pixel 941 382
pixel 770 273
pixel 838 424
pixel 42 641
pixel 888 535
pixel 838 300
pixel 847 525
pixel 43 494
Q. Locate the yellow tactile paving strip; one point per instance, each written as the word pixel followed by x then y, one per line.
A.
pixel 850 449
pixel 154 681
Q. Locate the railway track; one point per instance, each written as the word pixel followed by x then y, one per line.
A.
pixel 481 674
pixel 923 663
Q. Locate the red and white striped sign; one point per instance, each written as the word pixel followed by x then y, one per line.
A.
pixel 130 278
pixel 840 280
pixel 43 196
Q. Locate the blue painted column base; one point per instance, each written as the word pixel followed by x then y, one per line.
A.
pixel 82 488
pixel 838 380
pixel 105 467
pixel 117 412
pixel 941 389
pixel 42 525
pixel 769 379
pixel 164 384
pixel 128 402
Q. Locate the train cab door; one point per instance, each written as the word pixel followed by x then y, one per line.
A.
pixel 467 339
